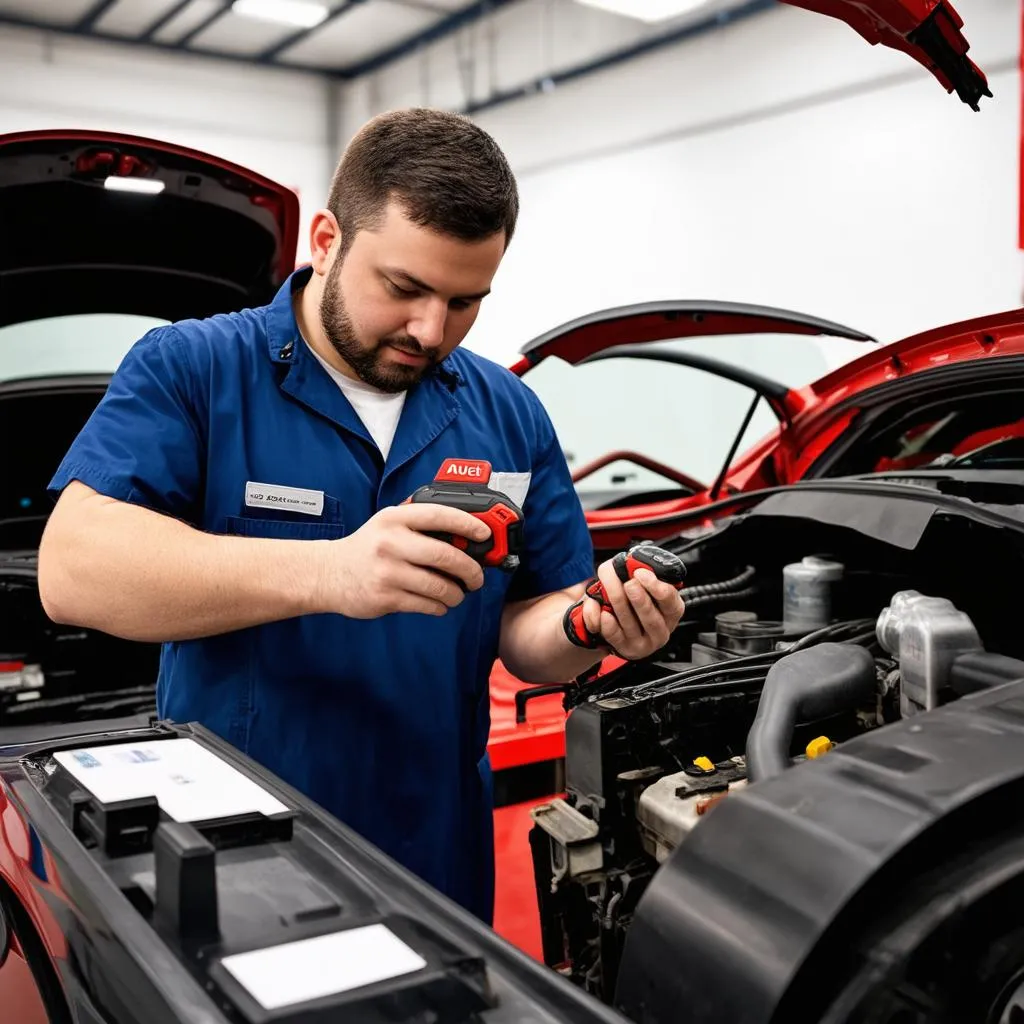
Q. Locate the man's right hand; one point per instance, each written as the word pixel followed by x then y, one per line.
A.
pixel 390 565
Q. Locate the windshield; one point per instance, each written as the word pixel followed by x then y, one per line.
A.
pixel 69 345
pixel 681 416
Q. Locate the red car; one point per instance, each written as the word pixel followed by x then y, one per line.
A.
pixel 72 307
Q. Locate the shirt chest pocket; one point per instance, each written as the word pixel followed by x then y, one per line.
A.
pixel 285 525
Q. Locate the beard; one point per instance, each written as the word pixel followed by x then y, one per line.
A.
pixel 367 358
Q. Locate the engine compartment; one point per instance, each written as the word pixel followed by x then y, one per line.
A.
pixel 811 624
pixel 51 672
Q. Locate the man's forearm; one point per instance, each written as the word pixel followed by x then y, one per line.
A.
pixel 137 574
pixel 534 647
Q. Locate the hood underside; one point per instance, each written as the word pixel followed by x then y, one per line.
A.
pixel 102 223
pixel 927 30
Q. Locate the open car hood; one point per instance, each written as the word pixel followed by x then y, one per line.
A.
pixel 928 30
pixel 216 238
pixel 627 332
pixel 660 321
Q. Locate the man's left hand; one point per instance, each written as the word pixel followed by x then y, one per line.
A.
pixel 645 611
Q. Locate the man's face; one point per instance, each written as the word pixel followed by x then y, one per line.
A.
pixel 403 297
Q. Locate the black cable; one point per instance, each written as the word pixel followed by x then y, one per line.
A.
pixel 699 672
pixel 670 685
pixel 709 689
pixel 679 680
pixel 743 677
pixel 722 586
pixel 703 599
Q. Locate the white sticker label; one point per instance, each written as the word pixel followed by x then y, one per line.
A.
pixel 291 499
pixel 514 485
pixel 189 782
pixel 326 965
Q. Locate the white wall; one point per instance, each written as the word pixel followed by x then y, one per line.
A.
pixel 781 160
pixel 272 121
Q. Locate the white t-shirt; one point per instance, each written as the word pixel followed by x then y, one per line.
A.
pixel 379 410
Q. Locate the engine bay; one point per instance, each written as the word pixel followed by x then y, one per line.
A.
pixel 816 627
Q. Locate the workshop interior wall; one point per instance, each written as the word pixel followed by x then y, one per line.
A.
pixel 272 121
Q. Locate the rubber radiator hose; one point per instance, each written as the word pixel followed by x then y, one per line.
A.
pixel 803 686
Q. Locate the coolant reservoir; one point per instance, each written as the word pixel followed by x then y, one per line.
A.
pixel 807 593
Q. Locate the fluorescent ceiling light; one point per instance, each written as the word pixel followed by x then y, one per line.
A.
pixel 300 13
pixel 647 10
pixel 147 186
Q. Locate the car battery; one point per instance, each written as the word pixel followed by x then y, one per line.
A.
pixel 159 875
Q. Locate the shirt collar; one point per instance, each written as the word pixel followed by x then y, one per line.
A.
pixel 429 406
pixel 282 329
pixel 284 340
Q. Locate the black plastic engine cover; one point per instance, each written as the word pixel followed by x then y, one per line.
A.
pixel 764 914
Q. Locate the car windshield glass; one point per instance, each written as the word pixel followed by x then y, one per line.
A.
pixel 967 432
pixel 680 416
pixel 63 345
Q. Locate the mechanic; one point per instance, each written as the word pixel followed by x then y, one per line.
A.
pixel 237 496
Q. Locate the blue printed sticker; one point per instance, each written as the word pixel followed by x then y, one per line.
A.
pixel 136 756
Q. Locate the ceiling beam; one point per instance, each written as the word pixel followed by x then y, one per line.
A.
pixel 178 49
pixel 547 83
pixel 442 28
pixel 211 19
pixel 94 14
pixel 165 19
pixel 271 52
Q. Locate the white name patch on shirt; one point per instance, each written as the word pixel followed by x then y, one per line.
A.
pixel 514 485
pixel 292 499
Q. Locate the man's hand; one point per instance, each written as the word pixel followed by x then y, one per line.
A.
pixel 141 575
pixel 644 612
pixel 390 565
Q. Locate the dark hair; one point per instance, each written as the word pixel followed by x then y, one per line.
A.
pixel 448 174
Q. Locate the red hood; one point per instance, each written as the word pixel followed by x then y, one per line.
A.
pixel 928 30
pixel 627 332
pixel 659 321
pixel 983 337
pixel 218 237
pixel 829 402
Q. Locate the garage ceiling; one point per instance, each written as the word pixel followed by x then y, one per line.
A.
pixel 354 37
pixel 505 49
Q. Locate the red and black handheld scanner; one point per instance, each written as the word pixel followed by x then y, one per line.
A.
pixel 462 484
pixel 667 567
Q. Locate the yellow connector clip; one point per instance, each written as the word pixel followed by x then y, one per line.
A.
pixel 818 746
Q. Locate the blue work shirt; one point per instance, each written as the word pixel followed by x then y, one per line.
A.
pixel 384 722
